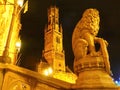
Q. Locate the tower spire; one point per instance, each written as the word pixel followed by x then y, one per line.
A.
pixel 53 46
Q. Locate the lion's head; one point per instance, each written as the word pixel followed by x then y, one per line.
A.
pixel 90 21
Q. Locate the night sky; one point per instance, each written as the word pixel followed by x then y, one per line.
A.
pixel 34 21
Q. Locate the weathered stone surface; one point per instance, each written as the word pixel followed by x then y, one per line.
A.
pixel 9 26
pixel 17 78
pixel 91 63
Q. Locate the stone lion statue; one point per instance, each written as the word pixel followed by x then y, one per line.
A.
pixel 84 38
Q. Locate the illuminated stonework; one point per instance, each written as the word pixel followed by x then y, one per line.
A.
pixel 9 23
pixel 53 50
pixel 93 71
pixel 65 76
pixel 53 46
pixel 91 64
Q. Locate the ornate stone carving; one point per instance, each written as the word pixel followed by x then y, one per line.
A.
pixel 84 41
pixel 91 63
pixel 2 22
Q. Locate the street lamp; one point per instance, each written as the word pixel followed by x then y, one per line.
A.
pixel 18 45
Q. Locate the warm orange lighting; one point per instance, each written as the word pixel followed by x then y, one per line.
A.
pixel 18 44
pixel 20 2
pixel 48 71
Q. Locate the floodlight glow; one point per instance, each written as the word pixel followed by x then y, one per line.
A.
pixel 117 82
pixel 18 44
pixel 20 2
pixel 48 71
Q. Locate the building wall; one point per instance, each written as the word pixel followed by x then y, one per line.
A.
pixel 16 78
pixel 53 46
pixel 8 11
pixel 5 11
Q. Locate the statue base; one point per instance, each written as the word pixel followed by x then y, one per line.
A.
pixel 92 74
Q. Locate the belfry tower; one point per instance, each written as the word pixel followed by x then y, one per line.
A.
pixel 53 41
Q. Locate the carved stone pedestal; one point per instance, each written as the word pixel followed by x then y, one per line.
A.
pixel 91 62
pixel 92 75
